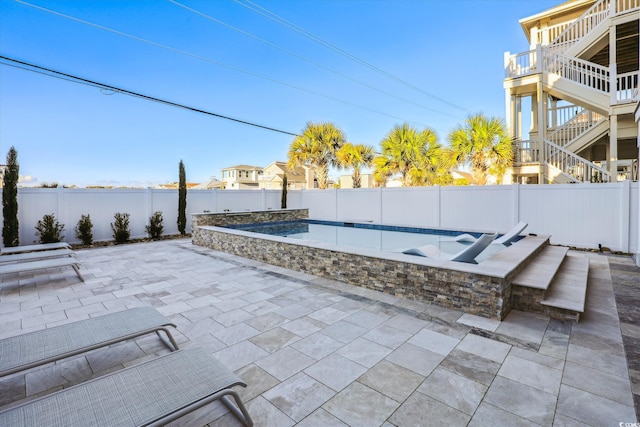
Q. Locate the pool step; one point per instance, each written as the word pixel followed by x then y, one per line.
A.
pixel 542 269
pixel 553 283
pixel 568 291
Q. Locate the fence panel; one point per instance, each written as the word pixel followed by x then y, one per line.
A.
pixel 584 216
pixel 417 206
pixel 358 205
pixel 466 208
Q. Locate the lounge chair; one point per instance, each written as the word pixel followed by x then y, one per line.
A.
pixel 468 254
pixel 34 248
pixel 41 264
pixel 34 256
pixel 152 393
pixel 37 348
pixel 507 239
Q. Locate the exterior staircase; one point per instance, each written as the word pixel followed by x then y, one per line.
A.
pixel 553 283
pixel 592 89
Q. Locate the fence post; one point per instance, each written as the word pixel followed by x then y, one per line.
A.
pixel 60 199
pixel 148 204
pixel 516 202
pixel 380 211
pixel 625 215
pixel 438 206
pixel 214 194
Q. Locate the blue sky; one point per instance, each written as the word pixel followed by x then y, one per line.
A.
pixel 452 51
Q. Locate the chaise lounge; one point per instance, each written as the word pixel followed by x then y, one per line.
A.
pixel 37 348
pixel 468 254
pixel 507 239
pixel 34 248
pixel 153 393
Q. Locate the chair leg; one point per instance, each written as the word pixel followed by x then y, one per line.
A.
pixel 77 269
pixel 238 409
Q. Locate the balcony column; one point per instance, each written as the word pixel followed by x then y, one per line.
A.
pixel 541 124
pixel 612 157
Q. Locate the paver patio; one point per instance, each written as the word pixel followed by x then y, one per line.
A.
pixel 315 352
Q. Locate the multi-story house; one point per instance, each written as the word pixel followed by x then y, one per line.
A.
pixel 241 177
pixel 580 81
pixel 299 178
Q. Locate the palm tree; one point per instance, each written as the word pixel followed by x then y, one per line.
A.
pixel 355 156
pixel 413 154
pixel 483 144
pixel 316 147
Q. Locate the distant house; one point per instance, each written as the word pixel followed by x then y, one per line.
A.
pixel 212 183
pixel 366 181
pixel 297 179
pixel 174 185
pixel 241 177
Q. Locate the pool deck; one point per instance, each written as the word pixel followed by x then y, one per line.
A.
pixel 317 352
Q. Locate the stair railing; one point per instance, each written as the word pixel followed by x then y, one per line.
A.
pixel 574 128
pixel 578 168
pixel 590 19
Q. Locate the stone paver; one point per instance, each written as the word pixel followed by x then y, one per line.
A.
pixel 320 353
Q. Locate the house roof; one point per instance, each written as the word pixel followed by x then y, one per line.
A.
pixel 243 167
pixel 298 170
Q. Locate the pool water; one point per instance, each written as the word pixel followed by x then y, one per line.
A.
pixel 370 236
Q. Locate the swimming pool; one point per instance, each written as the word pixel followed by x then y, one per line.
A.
pixel 482 289
pixel 386 238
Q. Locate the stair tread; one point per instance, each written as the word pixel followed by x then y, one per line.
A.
pixel 569 288
pixel 541 270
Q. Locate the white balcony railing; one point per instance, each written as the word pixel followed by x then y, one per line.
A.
pixel 627 86
pixel 525 152
pixel 577 70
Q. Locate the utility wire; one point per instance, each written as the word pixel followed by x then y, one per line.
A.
pixel 282 21
pixel 310 61
pixel 211 61
pixel 70 77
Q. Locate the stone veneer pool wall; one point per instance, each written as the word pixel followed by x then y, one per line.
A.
pixel 464 289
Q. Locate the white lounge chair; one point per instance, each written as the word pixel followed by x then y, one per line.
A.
pixel 153 393
pixel 34 248
pixel 468 254
pixel 36 256
pixel 41 264
pixel 506 239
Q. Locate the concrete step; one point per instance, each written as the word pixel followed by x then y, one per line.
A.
pixel 568 291
pixel 542 269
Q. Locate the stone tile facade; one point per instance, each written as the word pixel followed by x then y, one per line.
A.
pixel 474 293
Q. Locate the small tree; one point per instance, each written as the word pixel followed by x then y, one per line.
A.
pixel 10 226
pixel 283 201
pixel 120 227
pixel 49 229
pixel 182 200
pixel 84 230
pixel 155 227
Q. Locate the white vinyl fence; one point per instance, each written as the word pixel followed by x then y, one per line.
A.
pixel 584 215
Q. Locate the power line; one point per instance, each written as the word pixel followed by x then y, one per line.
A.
pixel 282 21
pixel 75 79
pixel 310 61
pixel 205 59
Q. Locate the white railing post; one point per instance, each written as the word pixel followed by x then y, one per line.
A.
pixel 537 66
pixel 613 83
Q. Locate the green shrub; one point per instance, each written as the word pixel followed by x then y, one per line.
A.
pixel 10 225
pixel 49 229
pixel 155 227
pixel 283 199
pixel 84 230
pixel 182 199
pixel 120 227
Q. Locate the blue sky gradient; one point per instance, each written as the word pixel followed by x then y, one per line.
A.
pixel 75 134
